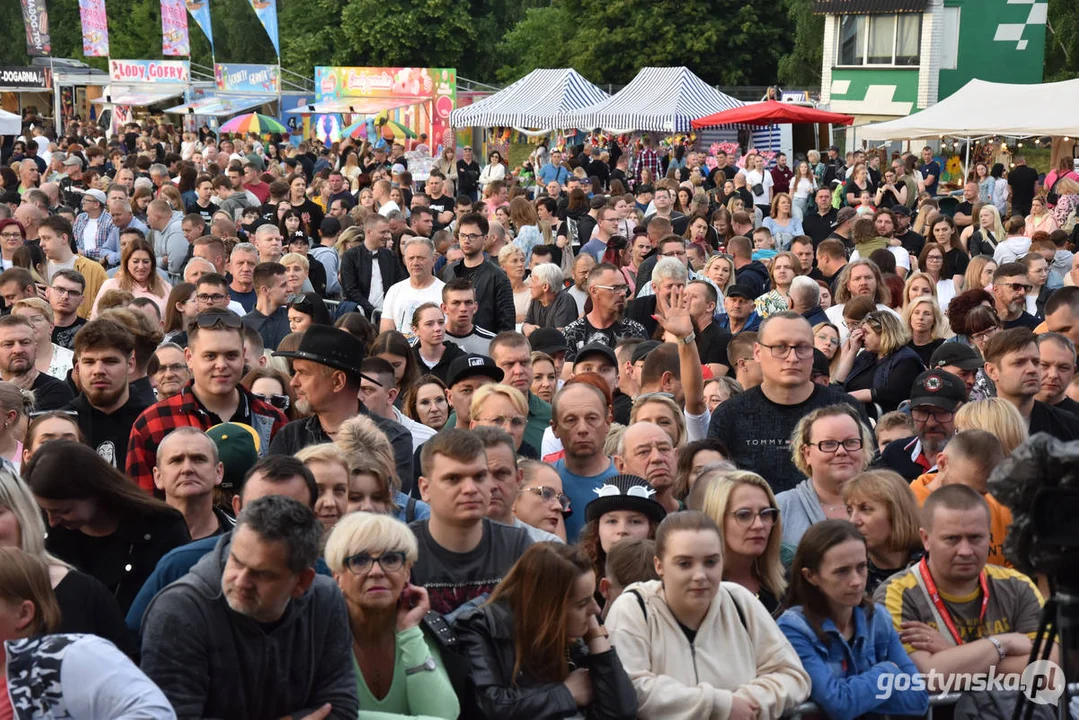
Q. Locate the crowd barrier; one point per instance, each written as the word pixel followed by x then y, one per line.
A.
pixel 809 709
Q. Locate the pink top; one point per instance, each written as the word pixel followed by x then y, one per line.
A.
pixel 113 283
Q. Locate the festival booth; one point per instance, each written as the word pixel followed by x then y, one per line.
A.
pixel 142 84
pixel 772 114
pixel 237 87
pixel 25 88
pixel 10 123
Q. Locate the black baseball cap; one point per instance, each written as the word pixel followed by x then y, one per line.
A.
pixel 901 210
pixel 939 389
pixel 471 365
pixel 596 349
pixel 641 351
pixel 548 340
pixel 742 291
pixel 330 226
pixel 956 354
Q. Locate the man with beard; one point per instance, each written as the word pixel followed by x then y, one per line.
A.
pixel 18 353
pixel 911 241
pixel 605 323
pixel 580 420
pixel 104 357
pixel 1010 288
pixel 646 450
pixel 934 399
pixel 1058 368
pixel 1013 363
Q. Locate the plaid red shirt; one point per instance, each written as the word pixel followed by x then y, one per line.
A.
pixel 185 410
pixel 648 158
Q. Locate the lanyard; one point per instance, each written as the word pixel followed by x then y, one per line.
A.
pixel 934 596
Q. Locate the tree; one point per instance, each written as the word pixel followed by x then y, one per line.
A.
pixel 802 67
pixel 434 33
pixel 1061 41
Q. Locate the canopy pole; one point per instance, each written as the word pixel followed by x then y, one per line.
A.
pixel 966 164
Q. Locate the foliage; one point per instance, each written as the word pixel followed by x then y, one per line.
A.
pixel 1062 41
pixel 433 33
pixel 802 67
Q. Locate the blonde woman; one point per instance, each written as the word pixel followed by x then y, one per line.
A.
pixel 880 377
pixel 883 508
pixel 662 411
pixel 782 272
pixel 996 416
pixel 348 239
pixel 373 485
pixel 1039 218
pixel 924 321
pixel 512 261
pixel 503 407
pixel 989 233
pixel 52 359
pixel 720 270
pixel 979 275
pixel 744 507
pixel 16 405
pixel 447 163
pixel 918 284
pixel 826 339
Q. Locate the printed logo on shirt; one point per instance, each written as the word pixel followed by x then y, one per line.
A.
pixel 107 450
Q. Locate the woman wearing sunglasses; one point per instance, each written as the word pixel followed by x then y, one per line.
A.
pixel 541 502
pixel 743 506
pixel 399 668
pixel 271 385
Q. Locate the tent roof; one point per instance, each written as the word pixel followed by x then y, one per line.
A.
pixel 10 123
pixel 981 108
pixel 772 112
pixel 534 101
pixel 142 96
pixel 220 105
pixel 659 99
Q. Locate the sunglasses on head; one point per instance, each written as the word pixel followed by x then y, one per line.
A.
pixel 207 321
pixel 297 299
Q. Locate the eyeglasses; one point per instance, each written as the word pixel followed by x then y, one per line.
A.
pixel 549 494
pixel 11 236
pixel 782 351
pixel 923 414
pixel 175 368
pixel 64 292
pixel 471 236
pixel 831 446
pixel 281 402
pixel 745 516
pixel 674 253
pixel 1016 287
pixel 213 298
pixel 361 563
pixel 984 334
pixel 516 422
pixel 619 289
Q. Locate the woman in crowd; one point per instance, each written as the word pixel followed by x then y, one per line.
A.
pixel 829 446
pixel 447 165
pixel 46 675
pixel 99 520
pixel 373 485
pixel 845 642
pixel 140 201
pixel 432 352
pixel 699 648
pixel 425 402
pixel 858 182
pixel 541 502
pixel 931 261
pixel 884 373
pixel 537 648
pixel 288 222
pixel 804 185
pixel 960 311
pixel 1039 218
pixel 744 507
pixel 392 347
pixel 180 309
pixel 512 261
pixel 979 273
pixel 696 234
pixel 943 232
pixel 720 270
pixel 544 377
pixel 399 668
pixel 918 284
pixel 825 301
pixel 990 231
pixel 272 385
pixel 925 324
pixel 719 390
pixel 996 416
pixel 662 411
pixel 693 459
pixel 524 223
pixel 86 605
pixel 782 272
pixel 782 222
pixel 826 339
pixel 53 425
pixel 138 276
pixel 306 309
pixel 625 508
pixel 351 169
pixel 309 212
pixel 504 407
pixel 721 223
pixel 328 463
pixel 882 507
pixel 493 171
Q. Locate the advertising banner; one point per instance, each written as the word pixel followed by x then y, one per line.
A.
pixel 150 71
pixel 95 28
pixel 240 78
pixel 36 19
pixel 200 10
pixel 174 39
pixel 25 77
pixel 267 13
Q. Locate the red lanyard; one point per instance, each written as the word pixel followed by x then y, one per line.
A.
pixel 934 596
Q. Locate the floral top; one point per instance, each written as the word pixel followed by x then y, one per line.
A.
pixel 770 303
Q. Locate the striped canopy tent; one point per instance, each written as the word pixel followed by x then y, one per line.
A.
pixel 534 102
pixel 657 100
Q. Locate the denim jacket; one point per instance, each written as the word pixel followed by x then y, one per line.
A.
pixel 850 678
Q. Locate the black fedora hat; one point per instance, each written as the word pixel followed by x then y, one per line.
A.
pixel 326 345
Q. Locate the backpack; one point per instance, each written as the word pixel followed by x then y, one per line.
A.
pixel 458 667
pixel 410 510
pixel 644 608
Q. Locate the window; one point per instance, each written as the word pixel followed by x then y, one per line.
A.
pixel 949 38
pixel 880 39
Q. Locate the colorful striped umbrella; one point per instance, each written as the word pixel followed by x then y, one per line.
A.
pixel 363 128
pixel 253 122
pixel 388 126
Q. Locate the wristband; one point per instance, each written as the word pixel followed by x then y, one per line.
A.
pixel 998 646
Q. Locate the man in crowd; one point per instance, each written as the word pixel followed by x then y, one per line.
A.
pixel 934 399
pixel 255 602
pixel 646 450
pixel 104 358
pixel 212 250
pixel 550 307
pixel 606 228
pixel 440 203
pixel 167 237
pixel 124 220
pixel 54 236
pixel 1057 355
pixel 325 253
pixel 802 247
pixel 268 243
pixel 741 313
pixel 781 174
pixel 459 305
pixel 911 241
pixel 215 355
pixel 513 355
pixel 95 234
pixel 18 355
pixel 819 220
pixel 1062 313
pixel 420 287
pixel 65 294
pixel 422 221
pixel 757 424
pixel 327 380
pixel 493 292
pixel 1013 363
pixel 242 262
pixel 187 471
pixel 960 360
pixel 378 391
pixel 582 266
pixel 369 270
pixel 212 291
pixel 468 174
pixel 1023 181
pixel 172 374
pixel 605 323
pixel 553 171
pixel 16 284
pixel 711 340
pixel 674 368
pixel 952 586
pixel 581 420
pixel 930 171
pixel 805 300
pixel 740 353
pixel 831 259
pixel 204 204
pixel 270 316
pixel 506 478
pixel 748 272
pixel 463 555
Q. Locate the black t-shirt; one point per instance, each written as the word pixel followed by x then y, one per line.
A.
pixel 912 242
pixel 955 263
pixel 1069 406
pixel 1023 180
pixel 925 352
pixel 87 607
pixel 1058 423
pixel 108 433
pixel 207 213
pixel 964 208
pixel 1025 319
pixel 712 345
pixel 65 336
pixel 441 205
pixel 50 393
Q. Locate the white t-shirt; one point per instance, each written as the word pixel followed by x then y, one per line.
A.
pixel 388 208
pixel 55 267
pixel 902 257
pixel 402 300
pixel 89 234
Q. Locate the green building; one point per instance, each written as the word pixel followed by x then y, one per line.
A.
pixel 889 58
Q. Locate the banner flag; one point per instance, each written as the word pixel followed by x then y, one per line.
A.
pixel 36 18
pixel 174 38
pixel 95 28
pixel 267 12
pixel 200 10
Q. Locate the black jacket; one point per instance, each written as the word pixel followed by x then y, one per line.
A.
pixel 442 369
pixel 486 637
pixel 356 274
pixel 494 294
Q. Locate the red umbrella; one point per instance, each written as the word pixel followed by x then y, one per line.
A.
pixel 772 112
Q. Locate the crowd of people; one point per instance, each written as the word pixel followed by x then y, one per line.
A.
pixel 289 432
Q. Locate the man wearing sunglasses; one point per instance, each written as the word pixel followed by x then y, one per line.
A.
pixel 1010 288
pixel 934 399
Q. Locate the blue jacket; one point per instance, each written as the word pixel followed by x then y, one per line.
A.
pixel 849 679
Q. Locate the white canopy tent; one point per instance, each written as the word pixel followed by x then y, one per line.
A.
pixel 10 123
pixel 534 101
pixel 659 99
pixel 982 109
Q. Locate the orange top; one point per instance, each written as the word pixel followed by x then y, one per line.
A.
pixel 1000 517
